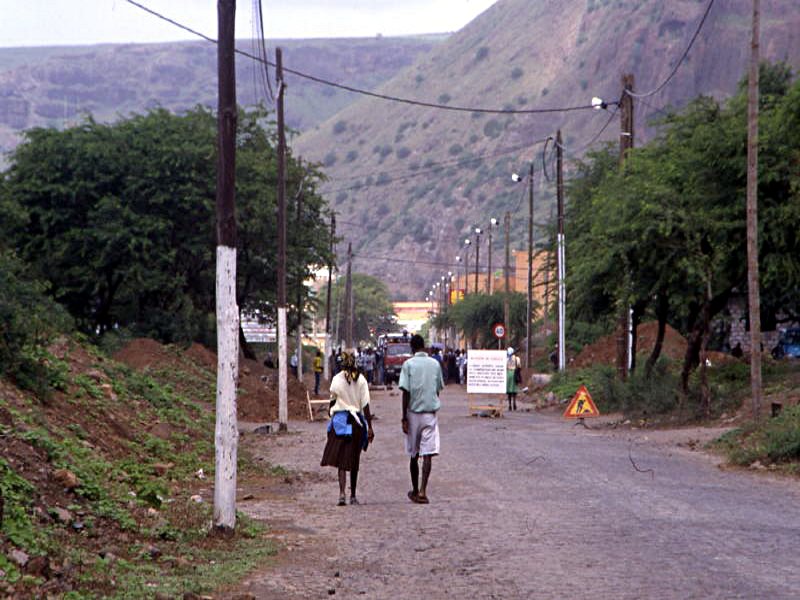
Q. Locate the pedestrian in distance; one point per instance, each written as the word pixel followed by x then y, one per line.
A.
pixel 293 363
pixel 513 378
pixel 317 371
pixel 350 428
pixel 420 382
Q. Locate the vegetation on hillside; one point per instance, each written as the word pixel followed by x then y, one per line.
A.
pixel 118 220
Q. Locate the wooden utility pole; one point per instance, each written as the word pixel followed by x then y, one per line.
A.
pixel 529 308
pixel 226 431
pixel 299 332
pixel 507 274
pixel 753 295
pixel 562 271
pixel 283 389
pixel 328 349
pixel 489 258
pixel 477 256
pixel 625 144
pixel 348 298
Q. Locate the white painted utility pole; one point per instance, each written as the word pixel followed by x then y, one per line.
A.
pixel 283 363
pixel 226 432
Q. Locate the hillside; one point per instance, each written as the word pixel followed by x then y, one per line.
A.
pixel 382 156
pixel 56 86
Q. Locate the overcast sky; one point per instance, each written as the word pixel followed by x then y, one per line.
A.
pixel 68 22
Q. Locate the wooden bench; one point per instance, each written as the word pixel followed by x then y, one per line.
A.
pixel 494 410
pixel 314 403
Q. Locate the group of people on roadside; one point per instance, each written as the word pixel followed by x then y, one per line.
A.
pixel 350 430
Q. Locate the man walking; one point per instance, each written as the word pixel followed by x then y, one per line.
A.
pixel 420 382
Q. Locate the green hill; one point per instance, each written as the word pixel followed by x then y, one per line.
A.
pixel 56 86
pixel 383 157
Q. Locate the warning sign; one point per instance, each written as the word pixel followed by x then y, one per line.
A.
pixel 582 406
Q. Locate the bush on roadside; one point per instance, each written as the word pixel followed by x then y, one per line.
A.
pixel 773 441
pixel 29 320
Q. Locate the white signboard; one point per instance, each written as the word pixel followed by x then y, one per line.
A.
pixel 486 371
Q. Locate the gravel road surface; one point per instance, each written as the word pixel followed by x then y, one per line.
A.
pixel 526 506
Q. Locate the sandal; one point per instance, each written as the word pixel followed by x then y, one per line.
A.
pixel 354 500
pixel 422 500
pixel 342 501
pixel 412 495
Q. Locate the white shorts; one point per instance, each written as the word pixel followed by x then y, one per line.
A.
pixel 423 434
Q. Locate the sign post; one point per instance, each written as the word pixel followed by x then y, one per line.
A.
pixel 486 374
pixel 499 330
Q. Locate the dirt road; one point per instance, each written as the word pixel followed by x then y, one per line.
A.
pixel 527 506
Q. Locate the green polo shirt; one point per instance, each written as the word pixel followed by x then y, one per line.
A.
pixel 421 377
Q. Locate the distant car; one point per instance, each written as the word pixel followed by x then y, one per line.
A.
pixel 788 344
pixel 396 350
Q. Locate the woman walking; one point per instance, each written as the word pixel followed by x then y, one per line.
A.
pixel 350 427
pixel 512 366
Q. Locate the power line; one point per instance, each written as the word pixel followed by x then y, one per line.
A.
pixel 355 90
pixel 680 61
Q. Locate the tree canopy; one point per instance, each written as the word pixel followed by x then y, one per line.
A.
pixel 373 313
pixel 119 219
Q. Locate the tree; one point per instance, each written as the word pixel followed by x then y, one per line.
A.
pixel 373 312
pixel 475 315
pixel 119 219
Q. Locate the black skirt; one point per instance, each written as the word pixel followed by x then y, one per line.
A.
pixel 343 452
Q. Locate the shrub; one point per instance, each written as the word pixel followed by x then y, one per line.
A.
pixel 455 150
pixel 31 319
pixel 351 156
pixel 444 98
pixel 516 72
pixel 403 152
pixel 339 127
pixel 545 91
pixel 330 159
pixel 482 53
pixel 492 129
pixel 383 179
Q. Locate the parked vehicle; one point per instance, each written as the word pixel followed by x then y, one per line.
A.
pixel 788 344
pixel 396 349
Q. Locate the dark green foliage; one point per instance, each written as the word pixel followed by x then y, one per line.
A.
pixel 482 53
pixel 339 127
pixel 477 313
pixel 444 98
pixel 330 159
pixel 493 128
pixel 373 308
pixel 29 319
pixel 455 150
pixel 119 219
pixel 403 152
pixel 516 72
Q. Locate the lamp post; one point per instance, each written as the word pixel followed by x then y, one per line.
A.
pixel 529 308
pixel 489 276
pixel 478 232
pixel 467 242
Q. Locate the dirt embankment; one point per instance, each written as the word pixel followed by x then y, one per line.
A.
pixel 258 386
pixel 604 350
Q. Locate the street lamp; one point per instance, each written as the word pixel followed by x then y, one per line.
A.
pixel 528 313
pixel 467 242
pixel 478 232
pixel 490 277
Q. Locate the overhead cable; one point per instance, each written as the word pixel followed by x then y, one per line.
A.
pixel 355 90
pixel 680 61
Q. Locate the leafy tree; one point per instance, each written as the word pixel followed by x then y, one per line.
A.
pixel 667 234
pixel 373 311
pixel 119 219
pixel 475 315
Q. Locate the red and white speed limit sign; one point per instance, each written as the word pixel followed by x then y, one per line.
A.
pixel 499 330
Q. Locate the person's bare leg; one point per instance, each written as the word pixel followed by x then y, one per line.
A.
pixel 414 468
pixel 342 484
pixel 426 472
pixel 353 484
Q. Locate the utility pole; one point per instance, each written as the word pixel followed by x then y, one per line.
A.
pixel 328 349
pixel 753 295
pixel 477 255
pixel 506 273
pixel 348 293
pixel 226 431
pixel 562 271
pixel 283 389
pixel 299 333
pixel 530 271
pixel 489 268
pixel 625 144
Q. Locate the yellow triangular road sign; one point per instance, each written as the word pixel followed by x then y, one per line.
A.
pixel 582 406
